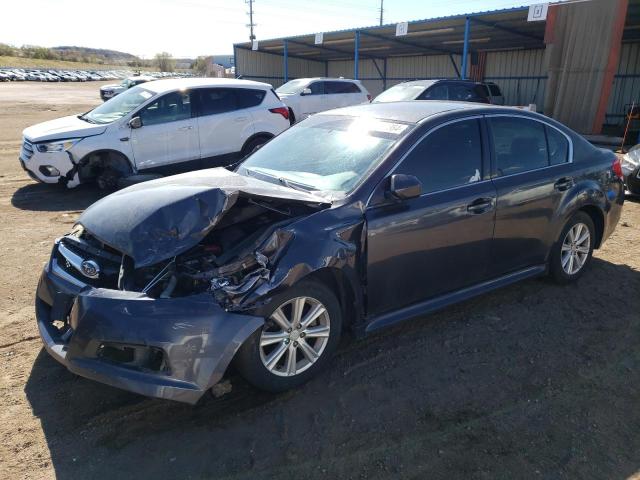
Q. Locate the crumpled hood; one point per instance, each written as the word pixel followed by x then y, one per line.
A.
pixel 61 128
pixel 159 219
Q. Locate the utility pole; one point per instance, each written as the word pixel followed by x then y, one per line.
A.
pixel 381 11
pixel 252 37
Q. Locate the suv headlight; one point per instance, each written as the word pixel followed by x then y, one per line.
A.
pixel 57 146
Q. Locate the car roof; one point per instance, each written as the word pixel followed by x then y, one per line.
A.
pixel 169 84
pixel 413 111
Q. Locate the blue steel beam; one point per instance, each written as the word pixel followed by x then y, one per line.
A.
pixel 356 55
pixel 465 49
pixel 286 61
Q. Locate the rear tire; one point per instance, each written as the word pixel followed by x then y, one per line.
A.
pixel 301 332
pixel 252 145
pixel 571 254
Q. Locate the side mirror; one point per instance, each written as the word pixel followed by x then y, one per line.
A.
pixel 306 91
pixel 404 186
pixel 135 122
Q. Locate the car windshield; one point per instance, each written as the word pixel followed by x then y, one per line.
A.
pixel 400 93
pixel 119 106
pixel 294 86
pixel 326 154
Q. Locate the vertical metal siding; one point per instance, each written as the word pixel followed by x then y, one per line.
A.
pixel 626 84
pixel 269 68
pixel 520 74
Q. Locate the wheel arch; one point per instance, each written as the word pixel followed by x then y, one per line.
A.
pixel 340 283
pixel 597 216
pixel 115 158
pixel 255 136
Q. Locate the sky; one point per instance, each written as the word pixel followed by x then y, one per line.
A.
pixel 188 28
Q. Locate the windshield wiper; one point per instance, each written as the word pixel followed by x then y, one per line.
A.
pixel 295 185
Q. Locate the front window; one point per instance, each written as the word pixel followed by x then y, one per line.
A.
pixel 118 106
pixel 292 87
pixel 327 154
pixel 400 93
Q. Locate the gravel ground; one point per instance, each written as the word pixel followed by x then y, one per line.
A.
pixel 532 381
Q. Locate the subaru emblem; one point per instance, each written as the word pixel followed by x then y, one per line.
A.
pixel 90 269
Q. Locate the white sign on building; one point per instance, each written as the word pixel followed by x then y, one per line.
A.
pixel 254 45
pixel 319 38
pixel 537 13
pixel 402 28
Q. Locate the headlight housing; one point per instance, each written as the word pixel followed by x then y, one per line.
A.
pixel 57 146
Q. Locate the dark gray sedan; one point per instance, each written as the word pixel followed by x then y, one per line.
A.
pixel 356 218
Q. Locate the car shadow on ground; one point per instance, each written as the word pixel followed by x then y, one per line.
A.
pixel 530 381
pixel 42 197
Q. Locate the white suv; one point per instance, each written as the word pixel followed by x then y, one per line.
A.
pixel 306 96
pixel 164 126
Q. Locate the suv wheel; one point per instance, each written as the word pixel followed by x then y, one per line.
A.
pixel 301 332
pixel 572 252
pixel 252 145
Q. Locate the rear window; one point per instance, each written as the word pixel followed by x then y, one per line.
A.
pixel 249 97
pixel 494 89
pixel 341 87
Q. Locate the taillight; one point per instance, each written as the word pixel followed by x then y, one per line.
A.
pixel 617 169
pixel 369 97
pixel 284 111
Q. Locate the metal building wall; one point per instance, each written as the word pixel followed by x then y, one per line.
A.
pixel 269 68
pixel 520 74
pixel 626 84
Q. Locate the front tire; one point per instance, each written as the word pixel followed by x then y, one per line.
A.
pixel 301 332
pixel 572 252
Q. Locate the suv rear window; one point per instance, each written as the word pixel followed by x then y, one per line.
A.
pixel 249 97
pixel 494 89
pixel 341 87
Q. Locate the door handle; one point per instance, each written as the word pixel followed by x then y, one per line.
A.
pixel 565 183
pixel 190 127
pixel 240 119
pixel 480 205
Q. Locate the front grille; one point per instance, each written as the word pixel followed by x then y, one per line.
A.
pixel 27 150
pixel 72 251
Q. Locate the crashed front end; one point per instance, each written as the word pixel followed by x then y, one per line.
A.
pixel 158 298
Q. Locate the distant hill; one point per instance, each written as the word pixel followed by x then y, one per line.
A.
pixel 109 56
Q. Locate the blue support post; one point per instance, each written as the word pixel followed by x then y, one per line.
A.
pixel 384 79
pixel 286 62
pixel 356 56
pixel 465 49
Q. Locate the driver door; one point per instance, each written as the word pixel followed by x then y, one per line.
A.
pixel 438 242
pixel 169 133
pixel 315 101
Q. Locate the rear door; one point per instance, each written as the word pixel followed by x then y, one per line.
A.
pixel 224 123
pixel 169 133
pixel 343 94
pixel 441 241
pixel 532 173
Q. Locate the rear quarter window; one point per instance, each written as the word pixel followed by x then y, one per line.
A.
pixel 558 146
pixel 249 97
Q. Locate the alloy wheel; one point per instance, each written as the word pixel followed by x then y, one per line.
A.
pixel 575 248
pixel 294 336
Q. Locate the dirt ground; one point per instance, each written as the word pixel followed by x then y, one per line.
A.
pixel 532 381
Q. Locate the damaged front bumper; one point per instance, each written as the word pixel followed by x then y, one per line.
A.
pixel 172 348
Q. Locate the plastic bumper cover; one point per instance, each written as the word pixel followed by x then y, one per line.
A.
pixel 197 337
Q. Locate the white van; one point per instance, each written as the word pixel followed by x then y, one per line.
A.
pixel 164 126
pixel 306 96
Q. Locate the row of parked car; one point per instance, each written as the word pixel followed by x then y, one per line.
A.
pixel 58 75
pixel 354 218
